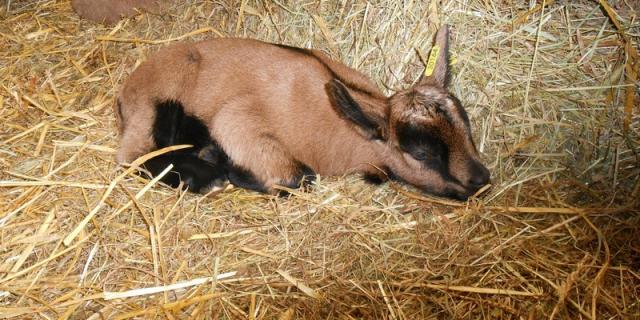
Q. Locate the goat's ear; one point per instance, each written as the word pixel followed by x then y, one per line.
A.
pixel 368 124
pixel 437 69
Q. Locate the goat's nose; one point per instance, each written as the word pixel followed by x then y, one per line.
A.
pixel 479 175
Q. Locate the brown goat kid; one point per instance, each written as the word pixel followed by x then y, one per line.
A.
pixel 260 115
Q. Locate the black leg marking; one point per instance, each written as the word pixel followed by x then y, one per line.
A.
pixel 198 175
pixel 378 176
pixel 200 168
pixel 214 155
pixel 244 178
pixel 304 179
pixel 373 178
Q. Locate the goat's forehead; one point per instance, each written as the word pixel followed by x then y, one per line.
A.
pixel 432 93
pixel 435 107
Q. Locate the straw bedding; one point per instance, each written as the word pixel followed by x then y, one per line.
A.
pixel 552 94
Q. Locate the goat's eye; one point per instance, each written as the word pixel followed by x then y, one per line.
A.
pixel 421 155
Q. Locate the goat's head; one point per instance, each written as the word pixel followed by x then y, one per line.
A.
pixel 424 132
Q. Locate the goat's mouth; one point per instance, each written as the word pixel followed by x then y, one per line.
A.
pixel 474 190
pixel 455 191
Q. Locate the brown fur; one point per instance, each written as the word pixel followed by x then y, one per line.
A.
pixel 111 11
pixel 270 109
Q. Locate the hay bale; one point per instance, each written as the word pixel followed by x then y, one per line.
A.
pixel 547 89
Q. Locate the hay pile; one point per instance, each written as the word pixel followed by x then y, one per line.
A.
pixel 547 88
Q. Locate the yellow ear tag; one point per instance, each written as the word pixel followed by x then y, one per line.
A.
pixel 431 63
